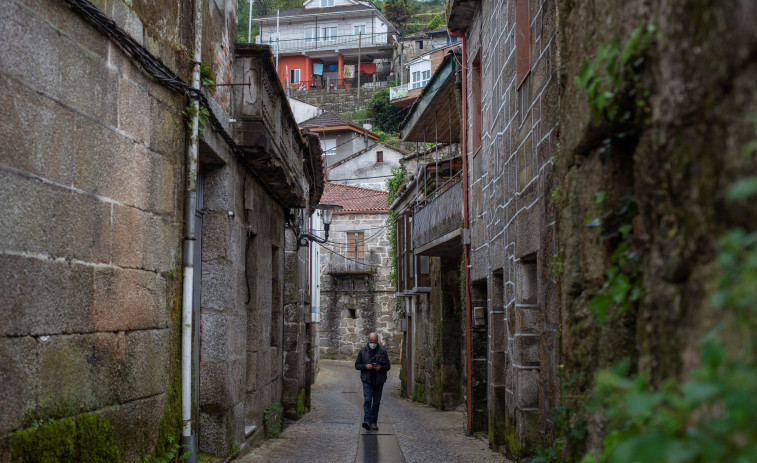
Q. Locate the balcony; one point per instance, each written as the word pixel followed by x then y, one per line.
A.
pixel 439 217
pixel 340 265
pixel 333 43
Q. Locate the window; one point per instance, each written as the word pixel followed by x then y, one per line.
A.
pixel 426 77
pixel 327 3
pixel 352 313
pixel 522 41
pixel 358 29
pixel 311 34
pixel 355 245
pixel 416 80
pixel 379 156
pixel 419 44
pixel 294 76
pixel 329 33
pixel 475 103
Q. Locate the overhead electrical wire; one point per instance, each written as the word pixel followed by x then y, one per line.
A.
pixel 161 73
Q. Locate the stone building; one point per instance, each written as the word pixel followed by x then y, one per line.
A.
pixel 428 225
pixel 673 161
pixel 357 296
pixel 91 235
pixel 510 104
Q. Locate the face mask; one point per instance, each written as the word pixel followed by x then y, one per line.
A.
pixel 372 345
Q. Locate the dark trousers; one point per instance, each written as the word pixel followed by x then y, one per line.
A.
pixel 372 400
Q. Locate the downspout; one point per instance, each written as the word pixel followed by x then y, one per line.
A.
pixel 188 441
pixel 466 246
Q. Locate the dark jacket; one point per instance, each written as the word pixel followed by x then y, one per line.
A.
pixel 366 356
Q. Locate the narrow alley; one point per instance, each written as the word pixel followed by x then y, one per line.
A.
pixel 408 432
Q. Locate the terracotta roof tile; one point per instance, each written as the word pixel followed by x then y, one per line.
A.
pixel 354 199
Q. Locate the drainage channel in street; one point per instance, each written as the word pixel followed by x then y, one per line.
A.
pixel 374 446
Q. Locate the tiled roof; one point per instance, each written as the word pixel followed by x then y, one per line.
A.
pixel 437 31
pixel 325 119
pixel 354 199
pixel 301 10
pixel 328 119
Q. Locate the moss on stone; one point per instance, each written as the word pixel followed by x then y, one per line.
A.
pixel 420 394
pixel 170 423
pixel 87 437
pixel 513 446
pixel 301 403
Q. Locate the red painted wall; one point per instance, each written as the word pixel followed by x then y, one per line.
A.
pixel 303 63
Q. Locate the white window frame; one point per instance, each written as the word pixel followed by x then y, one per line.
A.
pixel 356 26
pixel 314 36
pixel 292 74
pixel 328 37
pixel 327 3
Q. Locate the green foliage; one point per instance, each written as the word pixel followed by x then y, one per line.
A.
pixel 420 394
pixel 202 119
pixel 87 437
pixel 623 285
pixel 709 416
pixel 272 420
pixel 393 184
pixel 556 265
pixel 166 448
pixel 398 12
pixel 613 76
pixel 435 23
pixel 570 429
pixel 172 453
pixel 301 402
pixel 207 77
pixel 359 115
pixel 386 117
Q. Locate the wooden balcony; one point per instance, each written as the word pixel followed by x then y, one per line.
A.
pixel 438 221
pixel 339 265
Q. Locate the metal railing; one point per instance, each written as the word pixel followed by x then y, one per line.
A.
pixel 327 83
pixel 340 42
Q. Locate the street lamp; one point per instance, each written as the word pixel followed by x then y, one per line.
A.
pixel 303 239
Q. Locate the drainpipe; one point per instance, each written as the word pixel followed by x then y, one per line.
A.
pixel 188 441
pixel 466 247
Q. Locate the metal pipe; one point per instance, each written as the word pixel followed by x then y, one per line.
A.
pixel 466 225
pixel 249 25
pixel 187 438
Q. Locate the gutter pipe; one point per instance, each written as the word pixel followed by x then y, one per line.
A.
pixel 188 441
pixel 466 247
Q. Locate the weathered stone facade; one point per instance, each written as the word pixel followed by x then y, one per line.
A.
pixel 357 296
pixel 512 220
pixel 91 235
pixel 90 232
pixel 677 167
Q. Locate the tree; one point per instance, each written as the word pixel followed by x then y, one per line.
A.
pixel 386 116
pixel 398 12
pixel 435 23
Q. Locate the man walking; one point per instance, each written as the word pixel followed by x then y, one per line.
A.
pixel 373 363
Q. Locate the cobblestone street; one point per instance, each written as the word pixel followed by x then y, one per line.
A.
pixel 408 431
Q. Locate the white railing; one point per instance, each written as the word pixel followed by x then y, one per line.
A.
pixel 330 43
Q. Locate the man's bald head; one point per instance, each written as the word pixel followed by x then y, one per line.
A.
pixel 373 337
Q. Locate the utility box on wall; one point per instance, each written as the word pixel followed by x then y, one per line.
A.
pixel 479 316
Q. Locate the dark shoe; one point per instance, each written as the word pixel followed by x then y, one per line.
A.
pixel 374 426
pixel 366 426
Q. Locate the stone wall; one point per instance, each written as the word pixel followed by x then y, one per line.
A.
pixel 439 338
pixel 511 216
pixel 91 178
pixel 677 166
pixel 298 346
pixel 340 100
pixel 364 301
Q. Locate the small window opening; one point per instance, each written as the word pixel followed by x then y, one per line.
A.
pixel 353 313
